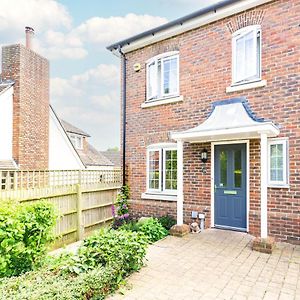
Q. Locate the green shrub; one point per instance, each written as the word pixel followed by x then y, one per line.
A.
pixel 122 202
pixel 44 285
pixel 167 221
pixel 152 229
pixel 99 268
pixel 131 225
pixel 25 233
pixel 114 246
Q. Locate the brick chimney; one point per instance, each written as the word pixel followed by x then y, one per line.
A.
pixel 29 33
pixel 30 71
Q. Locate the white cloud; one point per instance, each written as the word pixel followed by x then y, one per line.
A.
pixel 49 18
pixel 107 30
pixel 106 102
pixel 103 74
pixel 196 4
pixel 55 38
pixel 90 101
pixel 41 14
pixel 61 87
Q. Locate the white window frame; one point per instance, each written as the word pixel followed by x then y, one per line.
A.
pixel 161 148
pixel 256 29
pixel 168 191
pixel 160 94
pixel 285 151
pixel 75 141
pixel 148 169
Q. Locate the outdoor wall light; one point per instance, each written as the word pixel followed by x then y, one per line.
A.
pixel 204 156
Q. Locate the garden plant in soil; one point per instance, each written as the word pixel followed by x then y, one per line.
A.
pixel 100 266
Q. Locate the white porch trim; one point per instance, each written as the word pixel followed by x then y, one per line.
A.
pixel 264 185
pixel 231 121
pixel 180 195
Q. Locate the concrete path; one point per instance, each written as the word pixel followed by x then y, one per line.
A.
pixel 215 264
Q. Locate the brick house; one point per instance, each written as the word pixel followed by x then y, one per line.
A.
pixel 211 118
pixel 33 136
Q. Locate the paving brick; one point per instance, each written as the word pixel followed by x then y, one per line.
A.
pixel 201 280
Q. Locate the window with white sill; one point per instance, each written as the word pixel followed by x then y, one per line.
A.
pixel 77 141
pixel 162 170
pixel 278 162
pixel 163 76
pixel 246 55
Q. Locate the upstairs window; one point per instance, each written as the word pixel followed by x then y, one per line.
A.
pixel 77 141
pixel 278 162
pixel 162 169
pixel 163 76
pixel 246 52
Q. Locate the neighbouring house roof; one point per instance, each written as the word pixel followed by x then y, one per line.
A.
pixel 194 20
pixel 92 157
pixel 229 119
pixel 5 85
pixel 113 156
pixel 8 164
pixel 73 129
pixel 88 155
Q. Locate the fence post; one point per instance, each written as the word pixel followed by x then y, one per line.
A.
pixel 80 226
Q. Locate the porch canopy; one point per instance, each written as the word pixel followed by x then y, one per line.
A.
pixel 229 120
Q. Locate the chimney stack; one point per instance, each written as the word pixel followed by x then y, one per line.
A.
pixel 29 31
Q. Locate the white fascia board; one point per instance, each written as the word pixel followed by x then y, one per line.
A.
pixel 193 23
pixel 267 128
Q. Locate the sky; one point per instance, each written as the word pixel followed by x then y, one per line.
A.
pixel 73 35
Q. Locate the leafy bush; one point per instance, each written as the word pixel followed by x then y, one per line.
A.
pixel 99 268
pixel 167 221
pixel 152 229
pixel 131 225
pixel 44 285
pixel 121 216
pixel 114 246
pixel 25 233
pixel 122 203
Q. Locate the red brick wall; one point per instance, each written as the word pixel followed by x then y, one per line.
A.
pixel 30 72
pixel 205 72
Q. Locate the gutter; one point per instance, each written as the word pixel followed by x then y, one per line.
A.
pixel 177 22
pixel 192 21
pixel 123 113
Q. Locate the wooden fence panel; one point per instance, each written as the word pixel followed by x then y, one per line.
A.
pixel 82 207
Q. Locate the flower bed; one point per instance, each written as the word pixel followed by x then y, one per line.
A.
pixel 98 268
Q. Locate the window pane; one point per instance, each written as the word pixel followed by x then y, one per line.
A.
pixel 152 78
pixel 154 170
pixel 238 168
pixel 223 169
pixel 240 58
pixel 247 56
pixel 170 82
pixel 276 162
pixel 171 170
pixel 250 63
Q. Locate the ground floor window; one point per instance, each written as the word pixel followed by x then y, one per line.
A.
pixel 278 162
pixel 162 168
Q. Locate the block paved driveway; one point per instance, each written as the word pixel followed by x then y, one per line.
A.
pixel 215 264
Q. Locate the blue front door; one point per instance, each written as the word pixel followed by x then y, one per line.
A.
pixel 230 186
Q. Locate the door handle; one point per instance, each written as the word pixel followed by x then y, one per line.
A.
pixel 229 192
